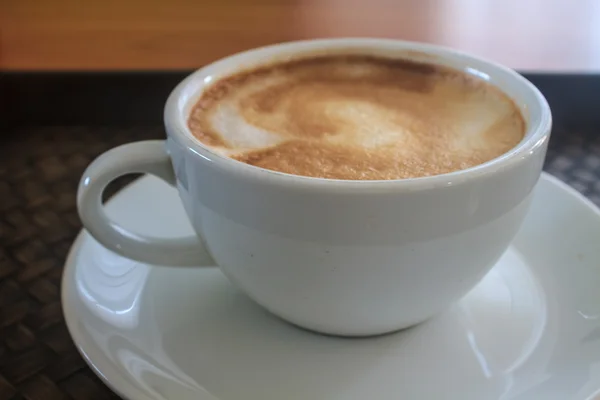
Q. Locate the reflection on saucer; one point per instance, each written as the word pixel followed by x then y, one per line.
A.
pixel 111 285
pixel 508 305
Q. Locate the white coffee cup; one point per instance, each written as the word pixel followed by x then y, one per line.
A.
pixel 340 257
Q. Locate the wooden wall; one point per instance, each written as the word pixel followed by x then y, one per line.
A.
pixel 550 35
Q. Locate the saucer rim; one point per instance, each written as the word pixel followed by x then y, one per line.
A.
pixel 68 309
pixel 74 250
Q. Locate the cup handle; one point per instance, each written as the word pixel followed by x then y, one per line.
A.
pixel 141 157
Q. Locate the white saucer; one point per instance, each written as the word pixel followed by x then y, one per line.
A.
pixel 529 330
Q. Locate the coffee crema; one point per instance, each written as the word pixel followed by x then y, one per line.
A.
pixel 356 117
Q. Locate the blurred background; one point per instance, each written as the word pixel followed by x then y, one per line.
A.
pixel 99 35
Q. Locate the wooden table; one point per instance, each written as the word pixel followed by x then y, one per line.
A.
pixel 530 35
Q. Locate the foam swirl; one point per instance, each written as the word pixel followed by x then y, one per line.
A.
pixel 356 117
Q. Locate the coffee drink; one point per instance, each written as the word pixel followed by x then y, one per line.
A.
pixel 356 117
pixel 303 168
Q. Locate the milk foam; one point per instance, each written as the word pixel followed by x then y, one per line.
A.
pixel 355 117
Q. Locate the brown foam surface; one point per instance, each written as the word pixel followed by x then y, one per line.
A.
pixel 356 117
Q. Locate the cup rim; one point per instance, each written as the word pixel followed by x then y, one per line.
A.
pixel 535 138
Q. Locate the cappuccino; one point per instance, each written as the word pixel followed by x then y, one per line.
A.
pixel 356 117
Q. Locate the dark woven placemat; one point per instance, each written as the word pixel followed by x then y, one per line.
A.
pixel 39 173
